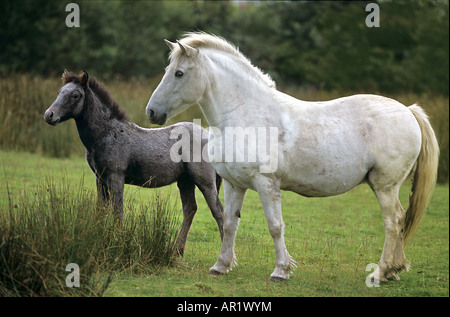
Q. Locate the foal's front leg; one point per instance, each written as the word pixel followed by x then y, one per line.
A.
pixel 234 198
pixel 102 191
pixel 115 183
pixel 270 196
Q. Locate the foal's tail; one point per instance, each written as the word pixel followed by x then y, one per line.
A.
pixel 425 174
pixel 218 182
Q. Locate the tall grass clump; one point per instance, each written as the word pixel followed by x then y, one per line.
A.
pixel 23 101
pixel 57 224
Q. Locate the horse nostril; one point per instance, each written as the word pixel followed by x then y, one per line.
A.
pixel 51 114
pixel 152 113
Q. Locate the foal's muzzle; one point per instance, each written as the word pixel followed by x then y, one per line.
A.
pixel 51 118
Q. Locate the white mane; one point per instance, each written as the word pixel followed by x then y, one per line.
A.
pixel 204 40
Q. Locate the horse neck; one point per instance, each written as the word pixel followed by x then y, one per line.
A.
pixel 94 122
pixel 234 92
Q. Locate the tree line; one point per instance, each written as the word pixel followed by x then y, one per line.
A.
pixel 323 45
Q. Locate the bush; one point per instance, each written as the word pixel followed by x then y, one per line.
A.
pixel 58 224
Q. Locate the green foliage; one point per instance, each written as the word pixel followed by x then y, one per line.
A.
pixel 322 44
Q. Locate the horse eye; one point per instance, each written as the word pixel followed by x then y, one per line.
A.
pixel 179 73
pixel 75 96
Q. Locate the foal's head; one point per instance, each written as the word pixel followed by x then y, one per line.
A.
pixel 78 92
pixel 70 101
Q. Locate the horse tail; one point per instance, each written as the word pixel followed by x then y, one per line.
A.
pixel 425 174
pixel 218 182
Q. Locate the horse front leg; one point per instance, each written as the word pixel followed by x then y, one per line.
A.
pixel 270 196
pixel 233 200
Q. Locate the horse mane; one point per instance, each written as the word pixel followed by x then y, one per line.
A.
pixel 100 91
pixel 205 40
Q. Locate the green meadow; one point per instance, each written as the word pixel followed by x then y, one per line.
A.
pixel 332 239
pixel 49 216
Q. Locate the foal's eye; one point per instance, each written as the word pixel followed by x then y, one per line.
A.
pixel 75 96
pixel 179 73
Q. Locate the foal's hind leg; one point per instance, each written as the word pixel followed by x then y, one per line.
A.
pixel 187 194
pixel 215 205
pixel 208 181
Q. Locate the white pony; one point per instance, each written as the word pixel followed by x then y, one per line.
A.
pixel 324 148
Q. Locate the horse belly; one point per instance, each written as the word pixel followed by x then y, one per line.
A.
pixel 238 174
pixel 323 184
pixel 331 168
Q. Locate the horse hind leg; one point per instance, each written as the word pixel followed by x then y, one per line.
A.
pixel 187 194
pixel 393 258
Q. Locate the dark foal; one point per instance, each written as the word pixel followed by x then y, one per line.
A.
pixel 120 152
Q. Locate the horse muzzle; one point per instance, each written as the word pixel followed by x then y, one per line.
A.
pixel 51 118
pixel 155 117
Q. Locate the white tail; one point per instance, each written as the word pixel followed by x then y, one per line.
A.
pixel 425 174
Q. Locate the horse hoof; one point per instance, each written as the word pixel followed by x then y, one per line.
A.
pixel 277 278
pixel 393 277
pixel 215 271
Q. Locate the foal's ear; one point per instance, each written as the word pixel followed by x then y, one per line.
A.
pixel 170 44
pixel 188 50
pixel 84 79
pixel 64 74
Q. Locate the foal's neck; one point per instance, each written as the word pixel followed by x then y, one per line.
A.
pixel 95 122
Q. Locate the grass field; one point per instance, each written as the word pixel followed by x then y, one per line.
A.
pixel 332 240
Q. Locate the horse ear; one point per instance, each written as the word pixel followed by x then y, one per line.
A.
pixel 170 44
pixel 187 50
pixel 84 78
